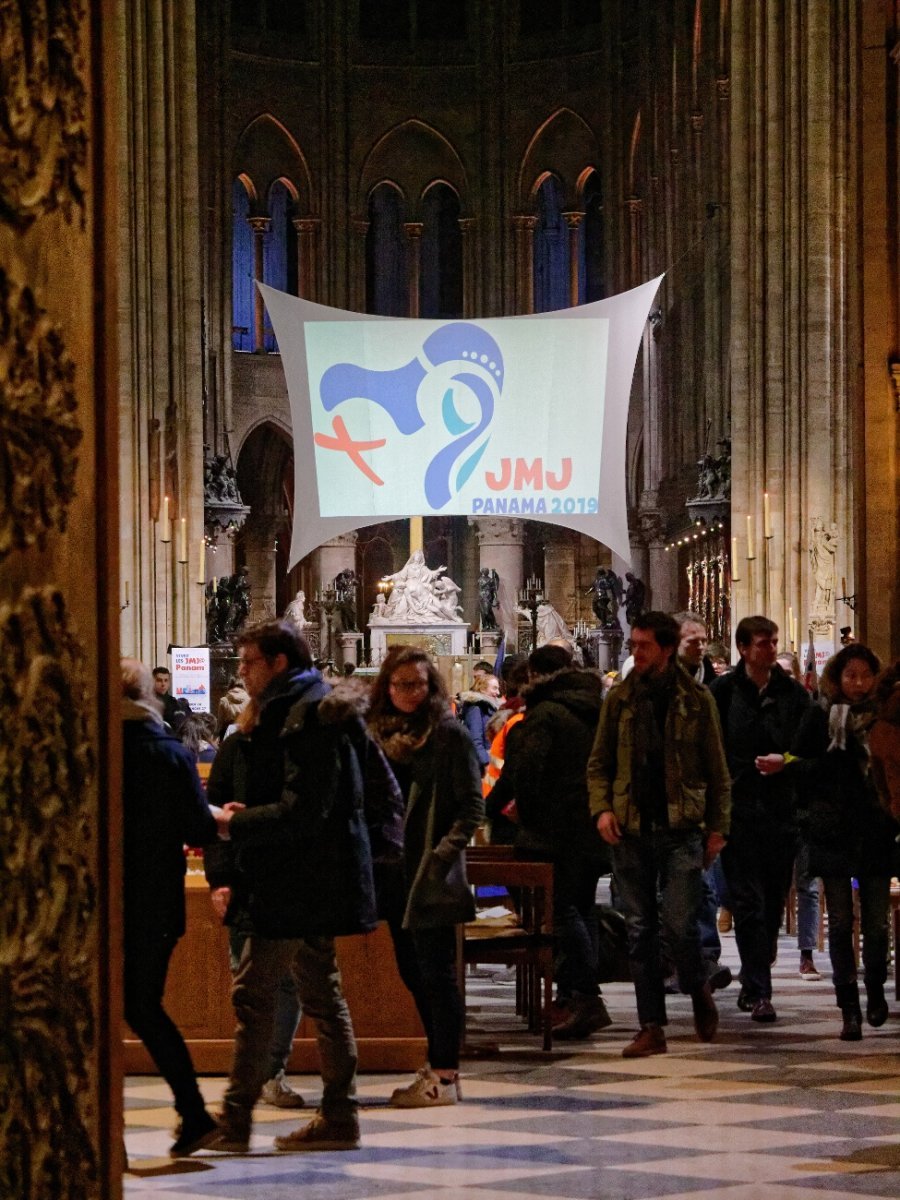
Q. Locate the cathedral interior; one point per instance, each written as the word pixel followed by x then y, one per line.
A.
pixel 407 158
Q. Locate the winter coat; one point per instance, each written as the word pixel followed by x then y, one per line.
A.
pixel 476 710
pixel 165 810
pixel 698 792
pixel 839 813
pixel 548 761
pixel 306 860
pixel 443 809
pixel 884 744
pixel 754 725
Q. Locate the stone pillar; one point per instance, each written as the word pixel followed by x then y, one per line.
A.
pixel 358 265
pixel 523 230
pixel 573 221
pixel 260 227
pixel 258 543
pixel 336 555
pixel 559 574
pixel 470 274
pixel 308 234
pixel 500 544
pixel 662 566
pixel 414 235
pixel 635 208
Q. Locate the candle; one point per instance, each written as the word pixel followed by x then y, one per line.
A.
pixel 767 516
pixel 215 585
pixel 735 577
pixel 790 628
pixel 127 601
pixel 166 522
pixel 751 554
pixel 794 632
pixel 201 571
pixel 182 541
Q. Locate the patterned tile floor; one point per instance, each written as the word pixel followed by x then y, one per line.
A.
pixel 765 1113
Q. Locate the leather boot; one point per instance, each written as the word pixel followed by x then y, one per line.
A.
pixel 587 1016
pixel 876 1005
pixel 706 1015
pixel 848 999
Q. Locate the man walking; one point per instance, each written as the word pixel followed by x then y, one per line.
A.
pixel 761 708
pixel 660 795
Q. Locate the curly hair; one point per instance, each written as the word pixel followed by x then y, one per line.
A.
pixel 830 681
pixel 381 706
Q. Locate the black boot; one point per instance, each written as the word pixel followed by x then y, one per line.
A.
pixel 848 1000
pixel 876 1005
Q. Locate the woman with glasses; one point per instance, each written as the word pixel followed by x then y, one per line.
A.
pixel 436 766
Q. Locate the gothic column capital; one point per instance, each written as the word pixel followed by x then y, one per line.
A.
pixel 259 224
pixel 523 223
pixel 723 88
pixel 307 224
pixel 466 225
pixel 497 531
pixel 360 226
pixel 413 229
pixel 342 539
pixel 573 218
pixel 697 122
pixel 652 526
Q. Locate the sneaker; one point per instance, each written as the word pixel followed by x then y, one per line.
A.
pixel 650 1040
pixel 720 977
pixel 196 1135
pixel 279 1093
pixel 427 1090
pixel 587 1017
pixel 726 920
pixel 763 1012
pixel 706 1015
pixel 808 971
pixel 321 1133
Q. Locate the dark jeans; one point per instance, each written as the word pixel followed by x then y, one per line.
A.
pixel 807 901
pixel 264 962
pixel 758 861
pixel 390 890
pixel 146 964
pixel 707 920
pixel 874 900
pixel 287 1008
pixel 575 924
pixel 436 955
pixel 658 880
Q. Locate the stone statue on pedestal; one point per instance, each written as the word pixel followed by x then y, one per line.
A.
pixel 420 596
pixel 488 591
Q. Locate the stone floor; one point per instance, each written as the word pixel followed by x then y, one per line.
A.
pixel 765 1113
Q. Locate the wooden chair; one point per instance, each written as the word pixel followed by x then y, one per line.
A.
pixel 526 944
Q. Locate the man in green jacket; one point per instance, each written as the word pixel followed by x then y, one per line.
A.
pixel 660 794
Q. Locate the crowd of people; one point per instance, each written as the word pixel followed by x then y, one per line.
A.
pixel 331 806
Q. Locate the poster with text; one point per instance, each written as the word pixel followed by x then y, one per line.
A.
pixel 190 676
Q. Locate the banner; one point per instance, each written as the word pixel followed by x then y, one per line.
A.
pixel 190 676
pixel 507 416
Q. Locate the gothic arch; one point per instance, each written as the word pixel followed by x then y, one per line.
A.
pixel 266 152
pixel 564 145
pixel 413 156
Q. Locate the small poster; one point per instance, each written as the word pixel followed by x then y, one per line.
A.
pixel 190 676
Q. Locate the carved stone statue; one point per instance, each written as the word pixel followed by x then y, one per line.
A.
pixel 420 596
pixel 635 597
pixel 228 607
pixel 345 584
pixel 822 550
pixel 488 590
pixel 707 478
pixel 220 481
pixel 550 625
pixel 296 610
pixel 607 595
pixel 723 470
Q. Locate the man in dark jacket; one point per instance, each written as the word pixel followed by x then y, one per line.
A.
pixel 306 866
pixel 761 708
pixel 165 809
pixel 548 759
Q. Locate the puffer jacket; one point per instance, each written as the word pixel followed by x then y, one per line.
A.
pixel 698 789
pixel 884 744
pixel 548 762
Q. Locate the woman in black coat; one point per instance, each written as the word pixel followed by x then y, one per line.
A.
pixel 165 810
pixel 436 766
pixel 850 835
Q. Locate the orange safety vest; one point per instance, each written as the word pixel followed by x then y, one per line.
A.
pixel 498 754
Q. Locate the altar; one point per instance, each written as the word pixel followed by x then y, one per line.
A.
pixel 437 638
pixel 417 606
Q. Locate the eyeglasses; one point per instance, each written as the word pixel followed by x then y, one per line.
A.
pixel 418 686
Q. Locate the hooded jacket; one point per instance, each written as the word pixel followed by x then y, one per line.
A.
pixel 547 756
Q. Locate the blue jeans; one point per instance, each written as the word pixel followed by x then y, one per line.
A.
pixel 807 901
pixel 659 880
pixel 287 1008
pixel 874 901
pixel 707 920
pixel 264 962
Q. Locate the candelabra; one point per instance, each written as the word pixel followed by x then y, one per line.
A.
pixel 531 596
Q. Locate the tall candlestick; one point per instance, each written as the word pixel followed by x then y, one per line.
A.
pixel 127 601
pixel 751 552
pixel 201 571
pixel 215 585
pixel 790 628
pixel 767 517
pixel 182 541
pixel 735 577
pixel 166 534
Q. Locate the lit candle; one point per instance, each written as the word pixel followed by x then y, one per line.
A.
pixel 735 577
pixel 127 601
pixel 201 572
pixel 215 585
pixel 767 516
pixel 751 553
pixel 182 541
pixel 166 522
pixel 794 639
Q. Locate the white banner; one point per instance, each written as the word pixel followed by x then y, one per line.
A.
pixel 190 676
pixel 511 416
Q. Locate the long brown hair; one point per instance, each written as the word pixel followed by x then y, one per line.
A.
pixel 430 712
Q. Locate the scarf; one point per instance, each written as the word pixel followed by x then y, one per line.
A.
pixel 141 710
pixel 400 735
pixel 848 729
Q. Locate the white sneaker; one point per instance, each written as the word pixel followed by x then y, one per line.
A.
pixel 426 1091
pixel 279 1093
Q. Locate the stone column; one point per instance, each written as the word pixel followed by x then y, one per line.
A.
pixel 358 265
pixel 258 542
pixel 308 234
pixel 414 235
pixel 662 566
pixel 336 555
pixel 470 275
pixel 559 574
pixel 573 221
pixel 500 544
pixel 635 208
pixel 523 230
pixel 260 227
